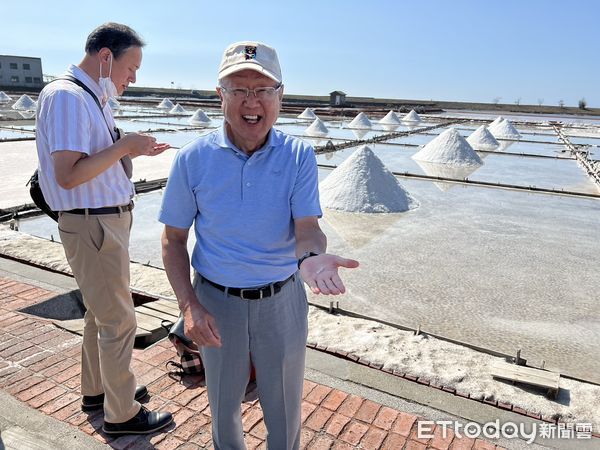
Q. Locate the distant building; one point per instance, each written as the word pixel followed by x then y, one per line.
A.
pixel 20 72
pixel 337 98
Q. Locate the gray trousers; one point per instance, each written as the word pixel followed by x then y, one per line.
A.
pixel 271 333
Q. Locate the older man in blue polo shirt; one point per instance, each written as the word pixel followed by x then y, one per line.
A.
pixel 251 193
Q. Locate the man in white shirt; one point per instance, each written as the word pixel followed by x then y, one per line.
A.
pixel 83 173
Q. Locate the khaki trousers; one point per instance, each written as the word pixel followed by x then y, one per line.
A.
pixel 97 248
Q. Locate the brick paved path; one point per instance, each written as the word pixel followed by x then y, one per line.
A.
pixel 39 365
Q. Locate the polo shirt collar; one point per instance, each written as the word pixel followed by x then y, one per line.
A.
pixel 222 140
pixel 81 75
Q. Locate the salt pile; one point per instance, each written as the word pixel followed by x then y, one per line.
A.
pixel 496 121
pixel 307 114
pixel 4 98
pixel 390 119
pixel 317 128
pixel 482 139
pixel 165 104
pixel 24 103
pixel 412 116
pixel 177 109
pixel 360 121
pixel 504 130
pixel 114 104
pixel 199 118
pixel 449 148
pixel 363 184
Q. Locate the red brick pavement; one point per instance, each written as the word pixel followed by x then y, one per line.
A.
pixel 39 365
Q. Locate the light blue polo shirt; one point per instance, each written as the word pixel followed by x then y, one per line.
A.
pixel 243 208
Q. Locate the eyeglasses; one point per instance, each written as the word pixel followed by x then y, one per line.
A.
pixel 261 93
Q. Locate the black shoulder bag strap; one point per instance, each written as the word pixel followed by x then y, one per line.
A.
pixel 82 85
pixel 125 160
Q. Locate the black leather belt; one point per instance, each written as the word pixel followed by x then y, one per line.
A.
pixel 255 293
pixel 105 210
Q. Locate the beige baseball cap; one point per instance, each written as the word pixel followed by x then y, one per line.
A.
pixel 250 55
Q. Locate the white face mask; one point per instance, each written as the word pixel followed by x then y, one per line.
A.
pixel 108 88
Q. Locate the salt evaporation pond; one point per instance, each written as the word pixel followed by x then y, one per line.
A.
pixel 498 268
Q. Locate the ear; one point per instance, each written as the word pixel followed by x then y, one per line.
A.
pixel 281 93
pixel 219 93
pixel 104 54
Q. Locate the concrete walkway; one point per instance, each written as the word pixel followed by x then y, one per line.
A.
pixel 346 405
pixel 23 427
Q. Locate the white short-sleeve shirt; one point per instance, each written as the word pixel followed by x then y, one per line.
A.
pixel 69 119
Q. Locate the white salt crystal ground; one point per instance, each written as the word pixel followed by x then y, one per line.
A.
pixel 363 184
pixel 317 128
pixel 449 148
pixel 307 114
pixel 482 139
pixel 504 130
pixel 447 364
pixel 20 160
pixel 360 121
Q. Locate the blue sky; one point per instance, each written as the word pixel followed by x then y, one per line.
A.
pixel 466 50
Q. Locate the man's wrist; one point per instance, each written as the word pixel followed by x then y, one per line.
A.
pixel 305 256
pixel 184 304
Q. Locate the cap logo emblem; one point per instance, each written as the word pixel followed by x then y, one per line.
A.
pixel 250 51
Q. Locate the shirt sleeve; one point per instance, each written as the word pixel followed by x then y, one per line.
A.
pixel 178 208
pixel 305 196
pixel 67 122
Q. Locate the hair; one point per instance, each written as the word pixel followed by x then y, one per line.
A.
pixel 114 36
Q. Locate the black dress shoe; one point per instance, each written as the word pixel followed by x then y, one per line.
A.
pixel 94 402
pixel 144 422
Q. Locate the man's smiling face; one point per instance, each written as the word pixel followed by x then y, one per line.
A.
pixel 249 119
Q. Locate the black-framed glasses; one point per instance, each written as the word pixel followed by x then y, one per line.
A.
pixel 261 93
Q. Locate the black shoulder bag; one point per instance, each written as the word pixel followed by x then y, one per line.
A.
pixel 35 190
